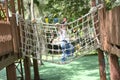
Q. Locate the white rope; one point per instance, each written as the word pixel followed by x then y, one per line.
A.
pixel 37 39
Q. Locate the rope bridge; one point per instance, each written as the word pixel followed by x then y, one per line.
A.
pixel 41 40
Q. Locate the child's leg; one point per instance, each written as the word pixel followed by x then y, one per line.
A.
pixel 63 47
pixel 68 50
pixel 71 49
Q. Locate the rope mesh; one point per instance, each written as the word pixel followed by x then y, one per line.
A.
pixel 41 40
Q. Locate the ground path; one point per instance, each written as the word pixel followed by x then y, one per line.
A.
pixel 84 68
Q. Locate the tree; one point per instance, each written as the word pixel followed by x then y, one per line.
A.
pixel 111 4
pixel 67 8
pixel 38 8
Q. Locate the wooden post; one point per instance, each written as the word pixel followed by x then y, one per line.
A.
pixel 26 60
pixel 35 64
pixel 19 6
pixel 114 67
pixel 27 68
pixel 100 52
pixel 14 28
pixel 36 70
pixel 101 64
pixel 11 72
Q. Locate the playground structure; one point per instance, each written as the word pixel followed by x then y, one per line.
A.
pixel 10 42
pixel 81 36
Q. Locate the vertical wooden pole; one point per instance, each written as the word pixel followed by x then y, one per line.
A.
pixel 27 68
pixel 18 27
pixel 36 70
pixel 114 67
pixel 11 72
pixel 19 6
pixel 100 52
pixel 14 28
pixel 35 64
pixel 101 65
pixel 26 60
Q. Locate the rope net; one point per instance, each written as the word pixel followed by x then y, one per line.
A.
pixel 60 43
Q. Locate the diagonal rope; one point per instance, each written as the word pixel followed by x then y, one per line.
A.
pixel 41 39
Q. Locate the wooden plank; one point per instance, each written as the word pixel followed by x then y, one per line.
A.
pixel 118 26
pixel 6 44
pixel 116 16
pixel 108 28
pixel 11 72
pixel 101 64
pixel 114 67
pixel 103 37
pixel 112 26
pixel 108 23
pixel 109 31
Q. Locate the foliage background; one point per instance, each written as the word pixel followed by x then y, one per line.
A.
pixel 71 9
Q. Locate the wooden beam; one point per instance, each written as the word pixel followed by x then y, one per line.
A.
pixel 114 67
pixel 101 64
pixel 27 68
pixel 11 72
pixel 36 70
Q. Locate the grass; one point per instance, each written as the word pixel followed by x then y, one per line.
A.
pixel 83 68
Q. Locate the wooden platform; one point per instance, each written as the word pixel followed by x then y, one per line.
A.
pixel 6 43
pixel 110 30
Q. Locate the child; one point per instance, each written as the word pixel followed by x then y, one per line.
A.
pixel 67 48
